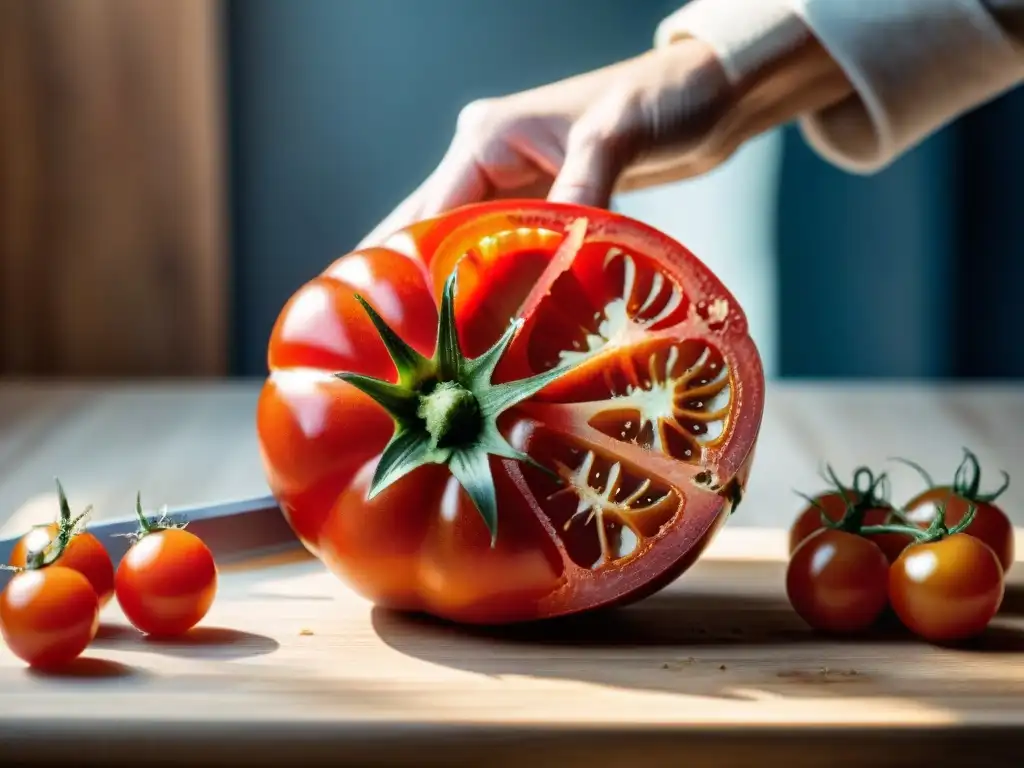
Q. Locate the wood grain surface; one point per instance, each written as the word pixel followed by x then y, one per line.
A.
pixel 716 670
pixel 113 259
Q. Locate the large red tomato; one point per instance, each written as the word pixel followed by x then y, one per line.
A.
pixel 637 423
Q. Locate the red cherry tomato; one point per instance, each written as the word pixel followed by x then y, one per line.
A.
pixel 990 523
pixel 835 505
pixel 84 553
pixel 949 589
pixel 837 581
pixel 166 582
pixel 49 615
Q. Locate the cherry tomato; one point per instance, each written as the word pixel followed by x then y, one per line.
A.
pixel 652 431
pixel 49 615
pixel 949 589
pixel 84 553
pixel 834 503
pixel 166 582
pixel 990 524
pixel 837 581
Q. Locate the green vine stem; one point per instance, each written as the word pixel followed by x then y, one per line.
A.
pixel 935 531
pixel 966 480
pixel 67 528
pixel 866 492
pixel 147 526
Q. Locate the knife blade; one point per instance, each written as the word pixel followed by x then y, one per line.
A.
pixel 235 531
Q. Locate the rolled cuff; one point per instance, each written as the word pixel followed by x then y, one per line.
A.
pixel 914 65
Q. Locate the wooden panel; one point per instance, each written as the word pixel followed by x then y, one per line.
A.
pixel 112 234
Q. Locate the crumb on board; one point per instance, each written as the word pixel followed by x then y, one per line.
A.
pixel 822 673
pixel 679 663
pixel 305 632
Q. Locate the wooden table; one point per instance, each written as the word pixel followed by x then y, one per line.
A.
pixel 716 670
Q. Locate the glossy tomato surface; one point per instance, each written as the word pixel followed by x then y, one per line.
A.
pixel 990 524
pixel 166 582
pixel 651 434
pixel 838 581
pixel 84 553
pixel 48 616
pixel 948 589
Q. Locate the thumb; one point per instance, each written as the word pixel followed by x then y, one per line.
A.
pixel 598 149
pixel 588 174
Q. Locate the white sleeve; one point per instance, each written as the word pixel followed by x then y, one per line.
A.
pixel 915 65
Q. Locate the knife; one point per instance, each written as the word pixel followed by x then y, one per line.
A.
pixel 234 531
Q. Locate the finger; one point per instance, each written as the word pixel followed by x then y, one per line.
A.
pixel 588 175
pixel 458 181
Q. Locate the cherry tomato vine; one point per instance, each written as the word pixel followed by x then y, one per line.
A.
pixel 938 561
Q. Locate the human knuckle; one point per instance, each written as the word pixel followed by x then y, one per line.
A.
pixel 476 116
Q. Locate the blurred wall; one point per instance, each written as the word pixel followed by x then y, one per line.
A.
pixel 112 219
pixel 341 108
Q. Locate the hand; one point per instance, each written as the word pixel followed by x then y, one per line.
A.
pixel 666 115
pixel 633 124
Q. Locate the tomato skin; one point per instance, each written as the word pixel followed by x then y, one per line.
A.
pixel 166 582
pixel 48 616
pixel 420 545
pixel 990 524
pixel 837 581
pixel 808 522
pixel 948 589
pixel 84 553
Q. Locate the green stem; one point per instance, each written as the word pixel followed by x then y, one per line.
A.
pixel 937 530
pixel 451 414
pixel 67 529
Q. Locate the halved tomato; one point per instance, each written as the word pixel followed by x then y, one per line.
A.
pixel 620 461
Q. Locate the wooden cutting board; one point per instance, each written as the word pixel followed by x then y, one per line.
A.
pixel 291 667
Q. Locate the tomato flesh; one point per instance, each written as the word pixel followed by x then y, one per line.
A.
pixel 166 582
pixel 49 615
pixel 948 589
pixel 652 432
pixel 84 553
pixel 837 581
pixel 990 524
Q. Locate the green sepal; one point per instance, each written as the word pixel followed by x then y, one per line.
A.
pixel 472 468
pixel 412 367
pixel 448 357
pixel 407 450
pixel 480 370
pixel 500 397
pixel 400 402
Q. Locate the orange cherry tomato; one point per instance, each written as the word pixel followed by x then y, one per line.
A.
pixel 166 582
pixel 837 581
pixel 84 553
pixel 990 524
pixel 948 589
pixel 49 615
